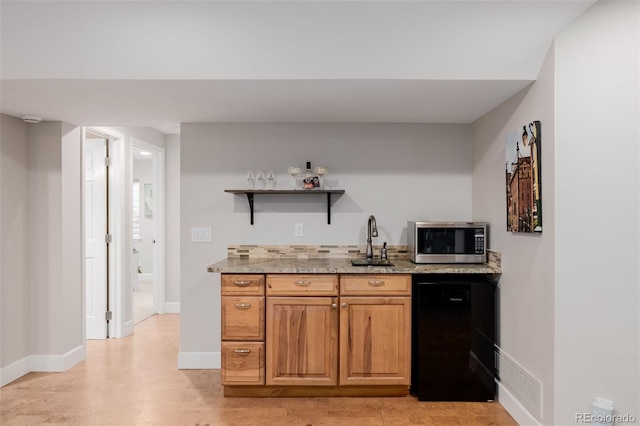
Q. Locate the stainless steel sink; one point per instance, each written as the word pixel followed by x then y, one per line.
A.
pixel 370 262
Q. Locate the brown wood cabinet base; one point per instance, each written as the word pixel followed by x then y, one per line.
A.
pixel 295 391
pixel 316 335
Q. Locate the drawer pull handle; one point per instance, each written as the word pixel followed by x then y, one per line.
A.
pixel 242 283
pixel 243 305
pixel 242 351
pixel 302 282
pixel 376 282
pixel 334 305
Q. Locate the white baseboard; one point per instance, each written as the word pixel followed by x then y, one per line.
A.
pixel 172 308
pixel 14 371
pixel 57 363
pixel 520 414
pixel 42 363
pixel 199 360
pixel 145 277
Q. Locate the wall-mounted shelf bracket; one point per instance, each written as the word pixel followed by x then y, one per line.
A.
pixel 251 192
pixel 250 199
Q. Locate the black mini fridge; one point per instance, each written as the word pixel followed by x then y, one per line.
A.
pixel 453 335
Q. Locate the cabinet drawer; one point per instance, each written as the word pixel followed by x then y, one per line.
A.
pixel 252 284
pixel 242 318
pixel 242 363
pixel 375 285
pixel 302 285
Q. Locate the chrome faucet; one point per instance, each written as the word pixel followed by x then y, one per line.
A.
pixel 372 231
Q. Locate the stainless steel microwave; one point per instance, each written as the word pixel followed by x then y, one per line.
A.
pixel 447 242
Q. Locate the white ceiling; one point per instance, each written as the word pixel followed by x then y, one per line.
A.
pixel 408 62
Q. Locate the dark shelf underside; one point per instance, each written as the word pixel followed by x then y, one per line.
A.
pixel 251 192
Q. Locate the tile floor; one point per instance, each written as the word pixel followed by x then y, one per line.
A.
pixel 135 381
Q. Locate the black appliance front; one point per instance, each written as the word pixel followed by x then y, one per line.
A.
pixel 453 335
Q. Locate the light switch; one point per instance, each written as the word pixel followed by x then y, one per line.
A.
pixel 201 235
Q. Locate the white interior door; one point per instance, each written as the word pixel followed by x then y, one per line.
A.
pixel 95 189
pixel 120 251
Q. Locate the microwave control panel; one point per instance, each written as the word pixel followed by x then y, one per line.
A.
pixel 479 249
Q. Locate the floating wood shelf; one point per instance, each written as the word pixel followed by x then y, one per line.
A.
pixel 251 192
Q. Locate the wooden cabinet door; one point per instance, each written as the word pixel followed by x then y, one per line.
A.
pixel 302 341
pixel 375 341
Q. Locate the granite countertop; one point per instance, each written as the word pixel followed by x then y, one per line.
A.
pixel 342 266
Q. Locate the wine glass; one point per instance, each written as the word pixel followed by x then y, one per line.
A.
pixel 250 180
pixel 294 172
pixel 270 180
pixel 320 171
pixel 260 180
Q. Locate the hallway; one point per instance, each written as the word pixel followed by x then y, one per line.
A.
pixel 134 381
pixel 143 301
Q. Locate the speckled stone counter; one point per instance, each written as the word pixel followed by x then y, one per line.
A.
pixel 342 266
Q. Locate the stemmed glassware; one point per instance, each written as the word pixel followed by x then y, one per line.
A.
pixel 320 171
pixel 260 180
pixel 250 180
pixel 270 180
pixel 294 172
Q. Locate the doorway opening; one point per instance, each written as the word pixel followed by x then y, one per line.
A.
pixel 110 275
pixel 147 216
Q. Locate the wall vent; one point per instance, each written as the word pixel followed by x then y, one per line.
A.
pixel 526 388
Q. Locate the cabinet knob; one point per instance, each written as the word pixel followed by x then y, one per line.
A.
pixel 243 305
pixel 344 304
pixel 302 282
pixel 334 305
pixel 242 283
pixel 242 351
pixel 376 282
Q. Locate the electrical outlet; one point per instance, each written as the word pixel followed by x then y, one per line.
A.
pixel 298 230
pixel 201 235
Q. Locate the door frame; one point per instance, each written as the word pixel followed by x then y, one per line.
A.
pixel 119 249
pixel 121 225
pixel 158 172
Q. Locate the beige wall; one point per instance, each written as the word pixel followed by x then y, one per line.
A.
pixel 397 172
pixel 15 292
pixel 42 261
pixel 569 298
pixel 172 187
pixel 597 277
pixel 526 288
pixel 55 229
pixel 73 261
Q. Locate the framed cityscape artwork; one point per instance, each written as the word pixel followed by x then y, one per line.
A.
pixel 523 184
